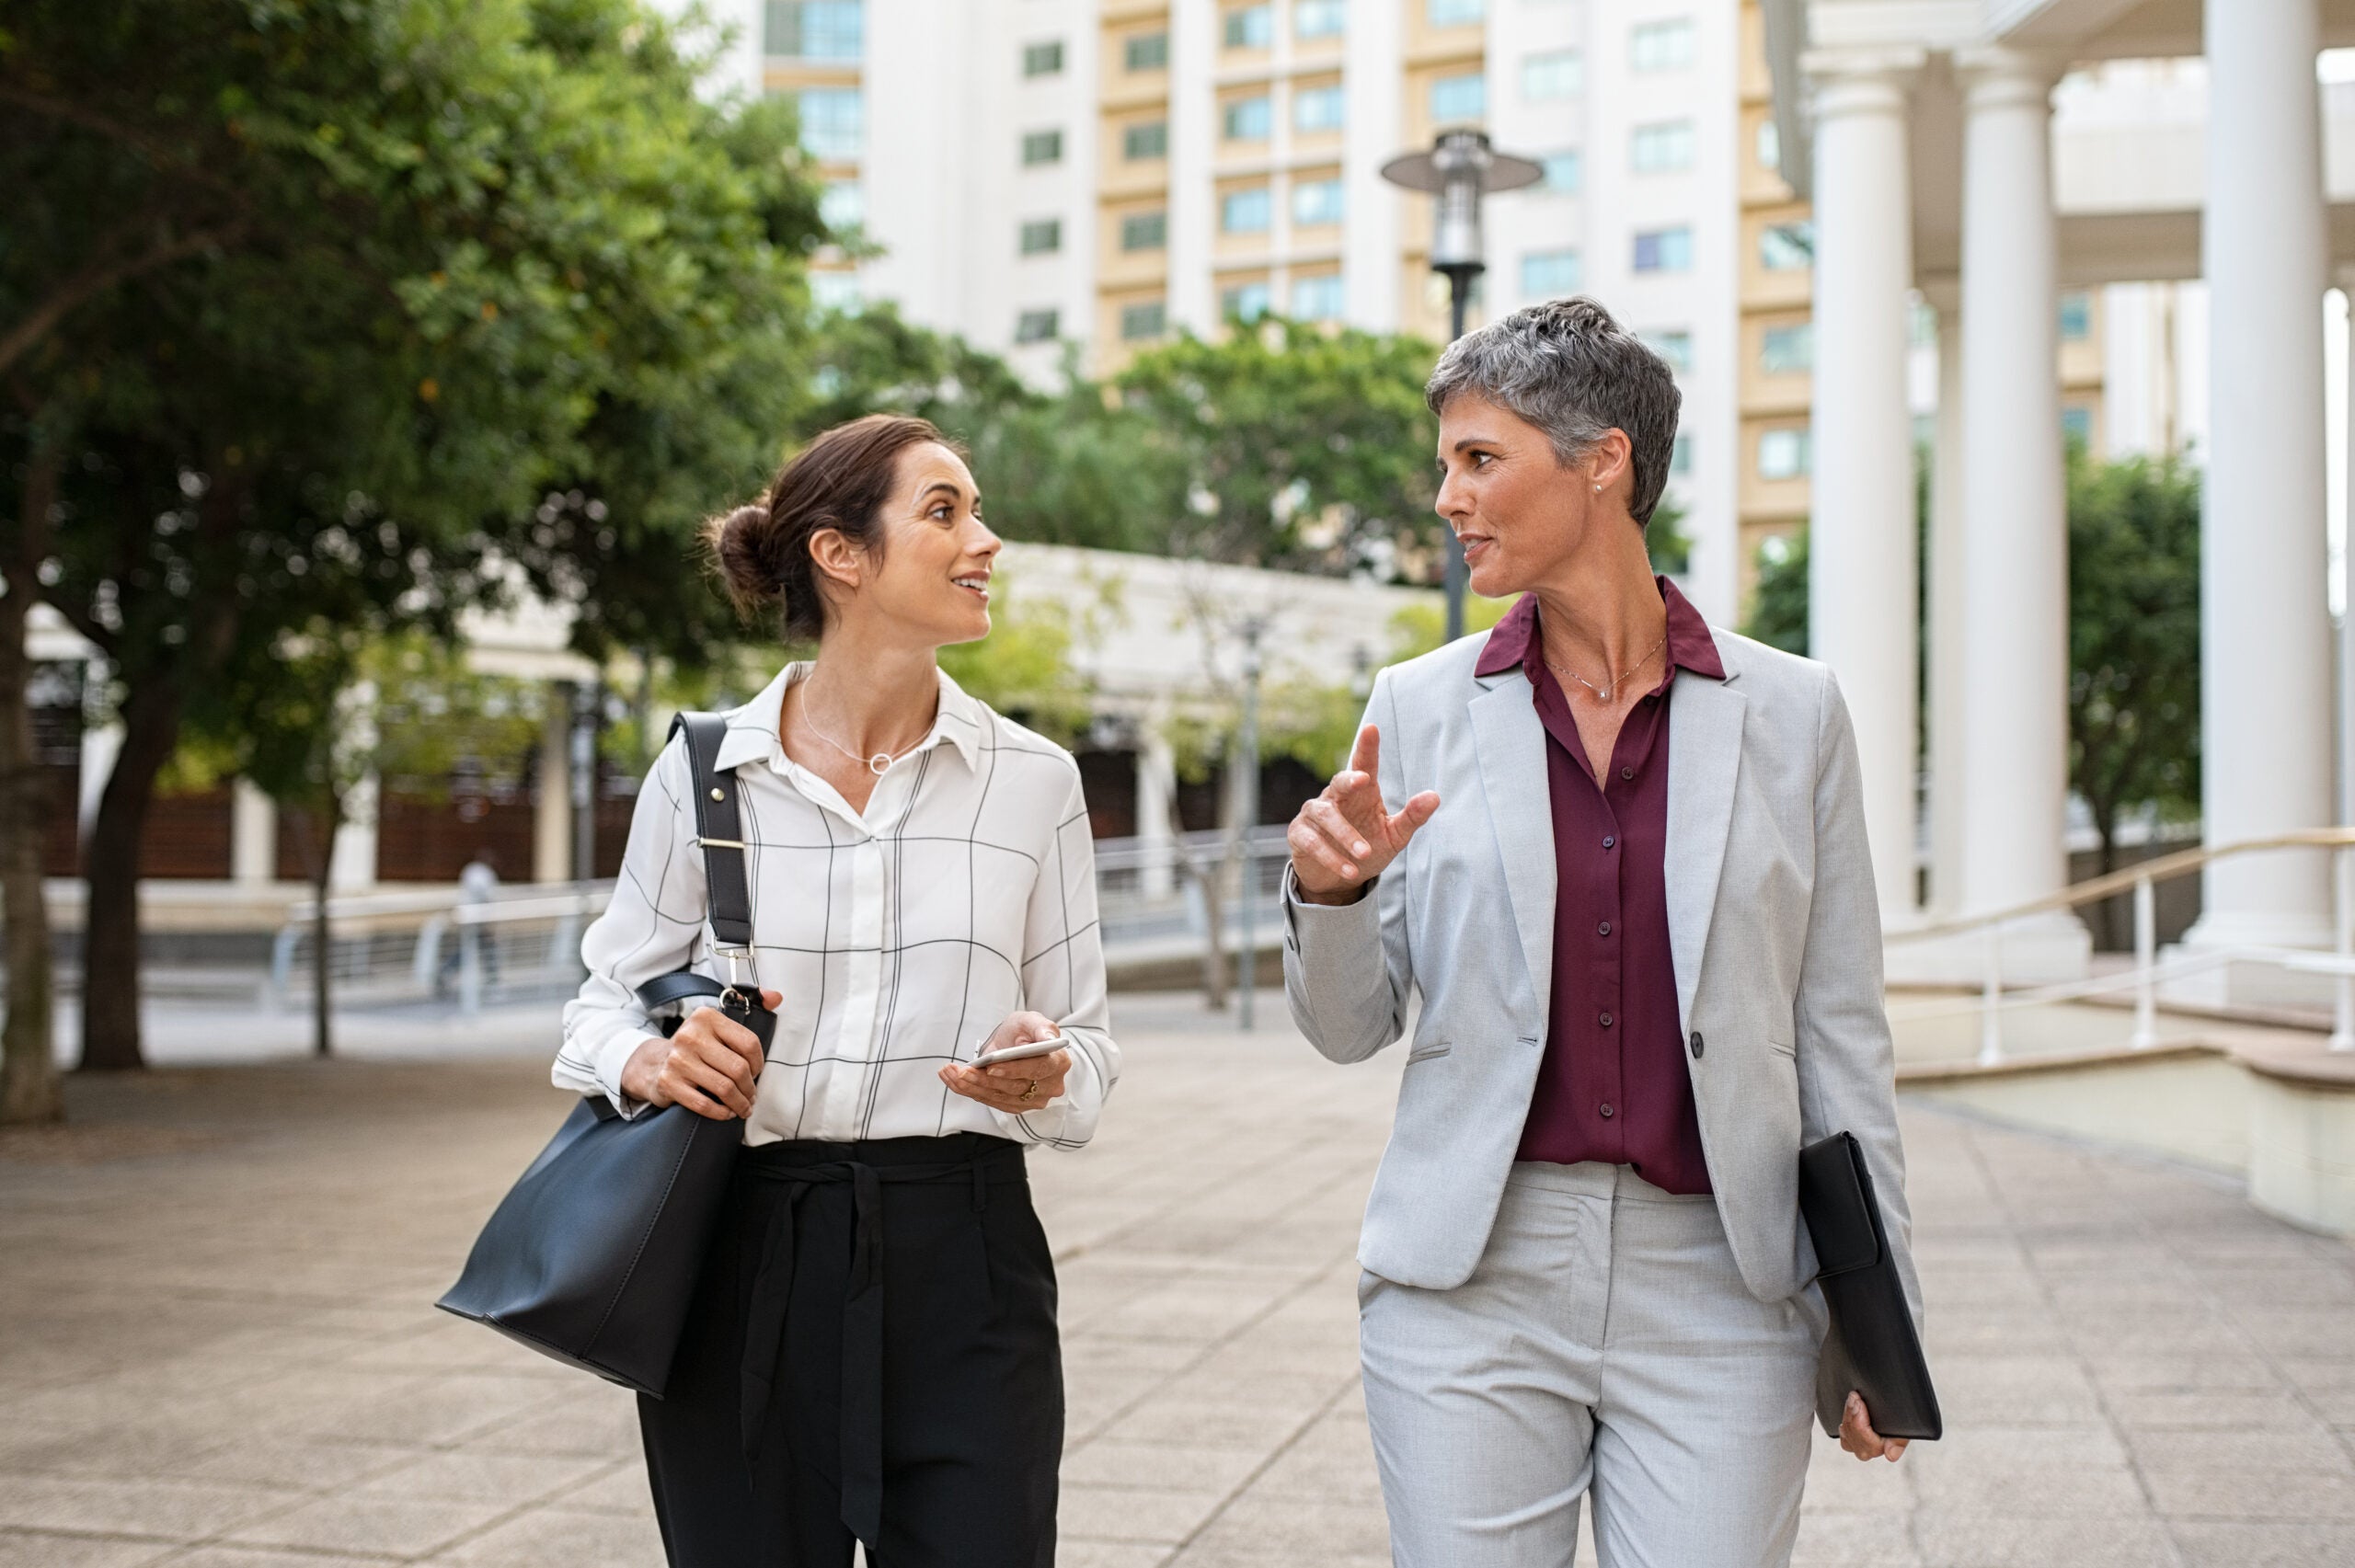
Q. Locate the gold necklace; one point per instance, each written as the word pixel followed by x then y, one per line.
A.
pixel 1610 682
pixel 878 764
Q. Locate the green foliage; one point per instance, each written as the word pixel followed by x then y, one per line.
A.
pixel 1664 538
pixel 2134 637
pixel 1779 604
pixel 435 716
pixel 1421 627
pixel 1291 446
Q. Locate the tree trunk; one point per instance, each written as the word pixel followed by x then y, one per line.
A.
pixel 111 987
pixel 322 827
pixel 28 1082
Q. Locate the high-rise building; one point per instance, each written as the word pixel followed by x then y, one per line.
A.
pixel 1101 173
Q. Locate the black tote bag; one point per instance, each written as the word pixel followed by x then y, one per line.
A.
pixel 592 1255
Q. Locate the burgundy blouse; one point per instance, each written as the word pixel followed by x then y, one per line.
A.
pixel 1614 1085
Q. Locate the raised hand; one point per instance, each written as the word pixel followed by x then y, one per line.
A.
pixel 1344 838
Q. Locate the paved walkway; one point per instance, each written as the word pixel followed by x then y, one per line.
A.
pixel 216 1351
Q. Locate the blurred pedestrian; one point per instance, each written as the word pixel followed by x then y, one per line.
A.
pixel 1620 854
pixel 872 1352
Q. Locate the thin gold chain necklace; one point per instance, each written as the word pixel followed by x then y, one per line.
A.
pixel 1610 682
pixel 878 764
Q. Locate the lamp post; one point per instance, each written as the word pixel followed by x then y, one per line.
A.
pixel 1460 169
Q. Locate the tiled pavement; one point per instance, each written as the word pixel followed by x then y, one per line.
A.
pixel 216 1351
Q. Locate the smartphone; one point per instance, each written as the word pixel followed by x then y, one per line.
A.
pixel 1047 1046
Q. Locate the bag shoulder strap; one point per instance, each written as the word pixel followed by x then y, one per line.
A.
pixel 720 832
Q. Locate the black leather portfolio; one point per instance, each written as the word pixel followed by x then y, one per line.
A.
pixel 1872 1348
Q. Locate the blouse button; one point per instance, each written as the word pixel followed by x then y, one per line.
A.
pixel 1606 1021
pixel 1608 841
pixel 1603 930
pixel 1606 1110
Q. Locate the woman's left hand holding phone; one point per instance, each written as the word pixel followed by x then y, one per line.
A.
pixel 708 1066
pixel 1014 1087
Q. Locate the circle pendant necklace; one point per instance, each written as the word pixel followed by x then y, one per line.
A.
pixel 878 764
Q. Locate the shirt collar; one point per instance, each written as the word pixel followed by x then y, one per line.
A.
pixel 753 729
pixel 1690 647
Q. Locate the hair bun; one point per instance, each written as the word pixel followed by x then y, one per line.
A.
pixel 736 539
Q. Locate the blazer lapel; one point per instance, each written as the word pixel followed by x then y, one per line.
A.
pixel 1512 742
pixel 1704 759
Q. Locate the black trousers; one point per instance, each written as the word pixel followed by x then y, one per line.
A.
pixel 871 1355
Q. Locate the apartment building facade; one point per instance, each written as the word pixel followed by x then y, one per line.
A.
pixel 1057 177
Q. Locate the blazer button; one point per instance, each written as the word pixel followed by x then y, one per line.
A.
pixel 1697 1045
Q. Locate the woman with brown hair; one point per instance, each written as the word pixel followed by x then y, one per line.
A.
pixel 872 1352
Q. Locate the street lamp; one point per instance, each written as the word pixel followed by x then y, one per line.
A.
pixel 1460 169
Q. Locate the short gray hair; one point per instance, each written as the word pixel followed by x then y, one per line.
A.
pixel 1570 370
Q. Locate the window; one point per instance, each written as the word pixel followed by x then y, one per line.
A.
pixel 1560 75
pixel 1318 18
pixel 834 290
pixel 1565 172
pixel 1457 100
pixel 1786 350
pixel 1145 231
pixel 842 206
pixel 1042 59
pixel 1770 146
pixel 1318 298
pixel 1141 321
pixel 1150 140
pixel 1783 455
pixel 1245 211
pixel 1317 109
pixel 1248 119
pixel 1546 273
pixel 1242 302
pixel 1037 326
pixel 1673 344
pixel 1043 236
pixel 829 121
pixel 1680 456
pixel 1662 46
pixel 2078 424
pixel 1665 148
pixel 1454 13
pixel 1147 51
pixel 1042 147
pixel 1315 203
pixel 1664 250
pixel 813 29
pixel 1787 247
pixel 2076 317
pixel 1253 27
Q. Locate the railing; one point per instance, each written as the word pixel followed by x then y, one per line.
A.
pixel 2148 974
pixel 1154 898
pixel 393 947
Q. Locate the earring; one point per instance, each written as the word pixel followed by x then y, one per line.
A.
pixel 1598 489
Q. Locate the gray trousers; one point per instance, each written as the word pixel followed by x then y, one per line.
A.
pixel 1605 1342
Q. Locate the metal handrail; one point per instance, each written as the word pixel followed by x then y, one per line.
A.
pixel 2141 880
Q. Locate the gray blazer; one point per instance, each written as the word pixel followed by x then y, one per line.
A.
pixel 1772 921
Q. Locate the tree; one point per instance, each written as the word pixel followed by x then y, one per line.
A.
pixel 1779 604
pixel 2133 639
pixel 1291 446
pixel 491 263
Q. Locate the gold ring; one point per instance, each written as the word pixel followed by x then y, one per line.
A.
pixel 1029 1089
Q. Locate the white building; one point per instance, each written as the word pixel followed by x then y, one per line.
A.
pixel 2189 142
pixel 1039 173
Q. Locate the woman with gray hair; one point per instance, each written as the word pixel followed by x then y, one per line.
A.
pixel 1621 856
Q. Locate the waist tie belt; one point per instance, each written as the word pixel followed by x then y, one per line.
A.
pixel 800 1167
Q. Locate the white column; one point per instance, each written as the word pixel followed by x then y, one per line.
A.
pixel 1156 790
pixel 2015 741
pixel 552 813
pixel 1860 595
pixel 1947 683
pixel 2264 622
pixel 1372 266
pixel 253 835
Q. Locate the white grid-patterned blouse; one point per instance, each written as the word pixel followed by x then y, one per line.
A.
pixel 899 936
